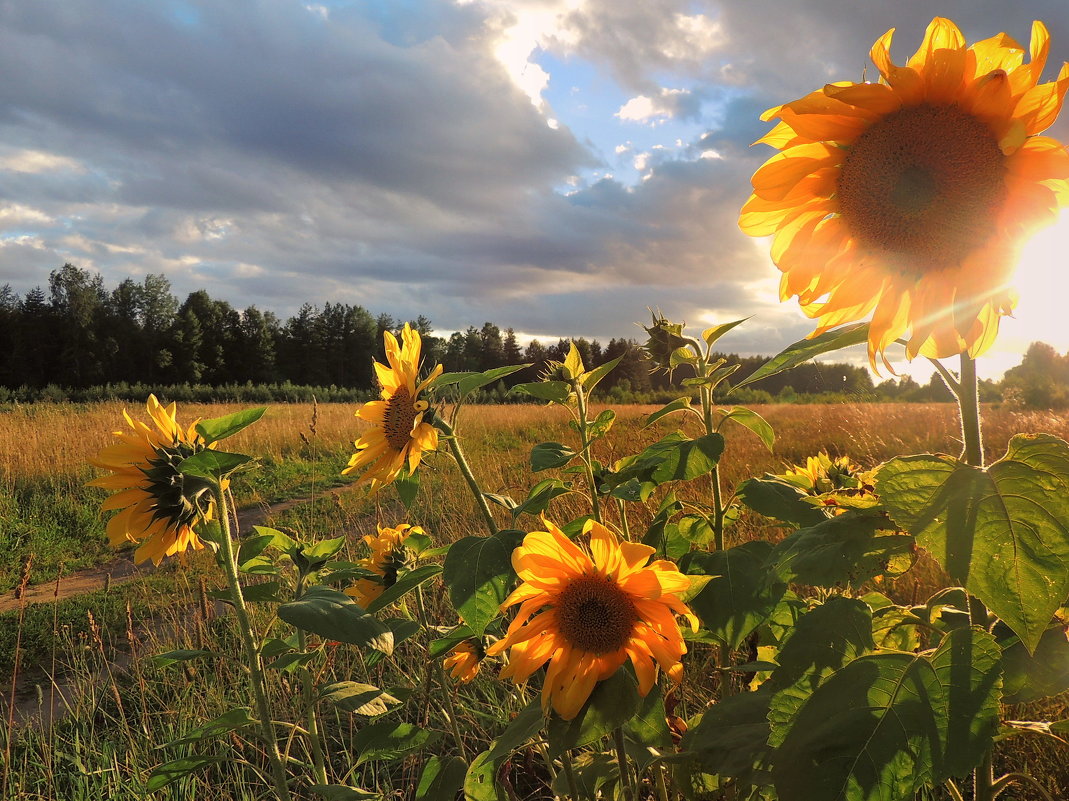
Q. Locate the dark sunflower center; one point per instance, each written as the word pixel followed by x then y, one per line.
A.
pixel 398 419
pixel 924 185
pixel 174 493
pixel 595 615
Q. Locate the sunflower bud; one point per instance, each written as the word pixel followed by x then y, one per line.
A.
pixel 665 338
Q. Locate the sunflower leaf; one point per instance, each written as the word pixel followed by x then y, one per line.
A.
pixel 441 779
pixel 404 585
pixel 552 391
pixel 1001 532
pixel 612 703
pixel 170 772
pixel 335 616
pixel 711 335
pixel 388 740
pixel 550 455
pixel 478 573
pixel 360 699
pixel 799 352
pixel 591 379
pixel 226 426
pixel 747 418
pixel 213 464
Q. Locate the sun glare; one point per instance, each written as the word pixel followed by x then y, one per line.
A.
pixel 1040 313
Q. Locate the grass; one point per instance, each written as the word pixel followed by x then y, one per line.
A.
pixel 121 716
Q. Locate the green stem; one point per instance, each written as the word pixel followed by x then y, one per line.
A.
pixel 569 775
pixel 450 709
pixel 311 719
pixel 973 454
pixel 999 786
pixel 580 401
pixel 969 404
pixel 465 470
pixel 952 788
pixel 226 558
pixel 630 790
pixel 625 529
pixel 662 786
pixel 718 500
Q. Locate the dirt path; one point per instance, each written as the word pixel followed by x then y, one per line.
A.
pixel 122 568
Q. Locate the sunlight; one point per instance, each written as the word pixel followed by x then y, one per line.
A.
pixel 1040 313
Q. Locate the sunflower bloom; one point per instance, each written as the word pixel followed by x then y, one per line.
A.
pixel 586 614
pixel 909 199
pixel 159 505
pixel 388 556
pixel 464 660
pixel 398 433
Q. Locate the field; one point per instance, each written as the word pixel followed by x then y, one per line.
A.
pixel 114 706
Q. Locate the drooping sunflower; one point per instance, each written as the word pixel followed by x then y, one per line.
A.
pixel 909 198
pixel 586 614
pixel 464 660
pixel 159 505
pixel 821 474
pixel 398 433
pixel 388 556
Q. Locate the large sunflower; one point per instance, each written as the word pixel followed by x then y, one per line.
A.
pixel 159 505
pixel 586 614
pixel 398 433
pixel 388 555
pixel 909 198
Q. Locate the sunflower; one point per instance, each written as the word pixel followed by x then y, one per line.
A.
pixel 160 505
pixel 587 614
pixel 464 660
pixel 909 198
pixel 388 556
pixel 822 474
pixel 398 433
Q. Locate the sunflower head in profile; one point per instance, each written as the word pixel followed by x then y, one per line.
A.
pixel 822 473
pixel 398 433
pixel 909 199
pixel 159 506
pixel 464 660
pixel 388 556
pixel 588 613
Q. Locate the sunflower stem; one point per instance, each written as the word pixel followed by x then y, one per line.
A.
pixel 465 470
pixel 569 775
pixel 227 560
pixel 969 404
pixel 450 709
pixel 710 428
pixel 311 719
pixel 630 789
pixel 584 438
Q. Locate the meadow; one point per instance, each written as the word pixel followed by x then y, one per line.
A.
pixel 87 665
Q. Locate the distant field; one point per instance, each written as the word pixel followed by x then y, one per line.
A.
pixel 45 507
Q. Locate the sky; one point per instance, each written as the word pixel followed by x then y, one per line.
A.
pixel 557 166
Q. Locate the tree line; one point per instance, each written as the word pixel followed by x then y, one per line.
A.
pixel 78 334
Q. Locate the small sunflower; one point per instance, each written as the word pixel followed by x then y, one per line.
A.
pixel 464 660
pixel 388 556
pixel 821 474
pixel 398 433
pixel 910 198
pixel 159 505
pixel 586 614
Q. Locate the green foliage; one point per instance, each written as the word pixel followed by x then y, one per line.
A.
pixel 478 574
pixel 335 616
pixel 1003 532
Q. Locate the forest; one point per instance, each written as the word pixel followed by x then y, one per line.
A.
pixel 79 334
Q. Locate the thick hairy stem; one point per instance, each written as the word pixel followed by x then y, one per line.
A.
pixel 465 471
pixel 252 653
pixel 580 399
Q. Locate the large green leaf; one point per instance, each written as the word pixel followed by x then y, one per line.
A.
pixel 404 585
pixel 799 352
pixel 646 732
pixel 712 334
pixel 335 616
pixel 552 391
pixel 478 574
pixel 441 779
pixel 888 724
pixel 537 500
pixel 169 772
pixel 467 382
pixel 675 457
pixel 748 418
pixel 225 723
pixel 780 500
pixel 742 593
pixel 1003 532
pixel 1029 677
pixel 213 464
pixel 549 455
pixel 823 641
pixel 388 739
pixel 842 551
pixel 731 737
pixel 360 699
pixel 226 426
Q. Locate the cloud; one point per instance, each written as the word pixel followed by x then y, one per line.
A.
pixel 401 156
